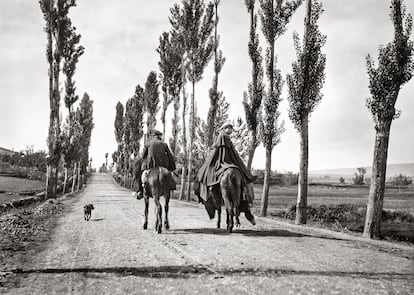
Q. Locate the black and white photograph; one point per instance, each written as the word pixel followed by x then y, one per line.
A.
pixel 206 147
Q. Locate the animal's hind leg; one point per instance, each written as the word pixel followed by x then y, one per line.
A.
pixel 166 208
pixel 230 221
pixel 146 200
pixel 218 216
pixel 229 210
pixel 158 213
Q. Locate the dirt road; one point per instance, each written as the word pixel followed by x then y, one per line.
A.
pixel 112 254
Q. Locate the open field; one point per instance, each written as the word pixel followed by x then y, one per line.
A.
pixel 283 197
pixel 12 187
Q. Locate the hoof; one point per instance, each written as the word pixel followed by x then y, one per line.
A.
pixel 167 226
pixel 144 226
pixel 250 217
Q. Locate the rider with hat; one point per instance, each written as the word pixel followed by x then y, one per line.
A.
pixel 157 154
pixel 222 156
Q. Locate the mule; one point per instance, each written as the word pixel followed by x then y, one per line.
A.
pixel 236 194
pixel 157 182
pixel 230 188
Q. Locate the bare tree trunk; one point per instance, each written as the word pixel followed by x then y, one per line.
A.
pixel 47 180
pixel 190 149
pixel 301 204
pixel 252 148
pixel 175 126
pixel 163 113
pixel 65 181
pixel 266 180
pixel 182 188
pixel 49 53
pixel 79 176
pixel 373 216
pixel 74 176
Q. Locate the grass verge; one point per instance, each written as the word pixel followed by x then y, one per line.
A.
pixel 25 233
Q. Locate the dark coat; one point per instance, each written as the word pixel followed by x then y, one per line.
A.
pixel 222 156
pixel 157 153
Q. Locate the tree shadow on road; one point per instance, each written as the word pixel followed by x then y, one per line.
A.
pixel 178 271
pixel 247 232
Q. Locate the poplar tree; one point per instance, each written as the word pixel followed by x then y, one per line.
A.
pixel 151 101
pixel 170 65
pixel 214 94
pixel 119 131
pixel 177 29
pixel 395 68
pixel 274 21
pixel 126 141
pixel 198 43
pixel 305 84
pixel 58 29
pixel 86 121
pixel 252 98
pixel 134 117
pixel 71 53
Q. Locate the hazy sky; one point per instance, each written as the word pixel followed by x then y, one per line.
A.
pixel 120 38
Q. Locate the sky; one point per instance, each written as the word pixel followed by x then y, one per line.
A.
pixel 120 38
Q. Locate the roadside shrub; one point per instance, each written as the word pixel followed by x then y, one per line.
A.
pixel 401 180
pixel 345 213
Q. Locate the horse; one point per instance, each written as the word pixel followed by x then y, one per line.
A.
pixel 236 195
pixel 157 182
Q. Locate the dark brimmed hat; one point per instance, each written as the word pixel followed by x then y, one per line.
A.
pixel 227 124
pixel 157 133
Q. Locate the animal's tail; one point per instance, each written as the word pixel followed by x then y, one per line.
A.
pixel 236 194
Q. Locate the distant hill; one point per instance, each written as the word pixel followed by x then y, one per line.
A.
pixel 4 151
pixel 392 169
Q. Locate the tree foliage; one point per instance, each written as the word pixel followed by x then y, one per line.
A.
pixel 151 100
pixel 275 18
pixel 119 122
pixel 134 119
pixel 71 53
pixel 308 74
pixel 170 64
pixel 119 131
pixel 270 128
pixel 213 92
pixel 222 114
pixel 401 180
pixel 395 68
pixel 359 176
pixel 241 138
pixel 252 98
pixel 85 115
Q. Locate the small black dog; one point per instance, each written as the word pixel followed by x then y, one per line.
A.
pixel 87 210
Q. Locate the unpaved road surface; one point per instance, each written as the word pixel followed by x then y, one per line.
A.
pixel 112 254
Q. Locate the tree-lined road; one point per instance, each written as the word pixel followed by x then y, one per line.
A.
pixel 112 254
